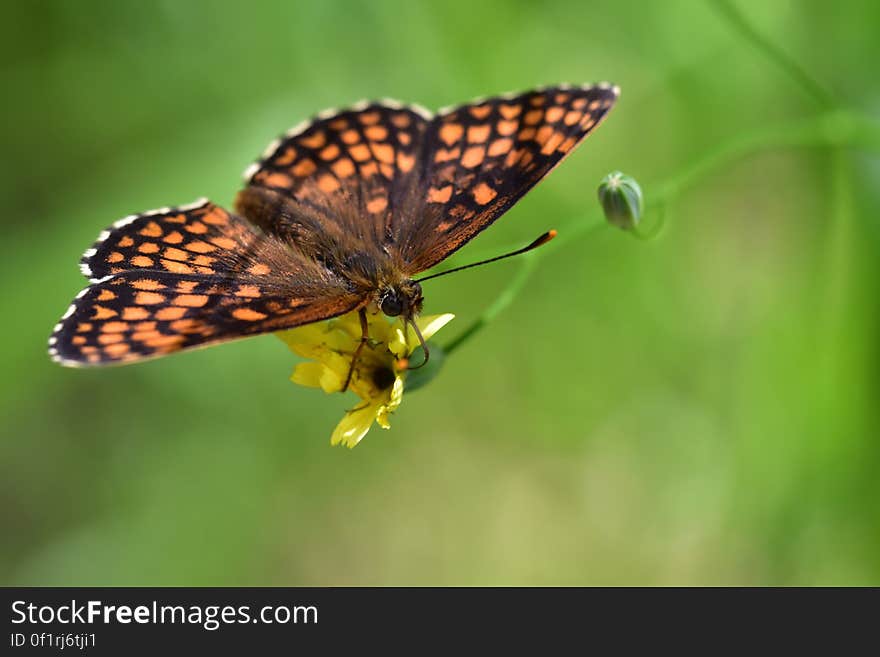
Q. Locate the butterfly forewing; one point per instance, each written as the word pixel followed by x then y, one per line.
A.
pixel 485 156
pixel 386 180
pixel 347 176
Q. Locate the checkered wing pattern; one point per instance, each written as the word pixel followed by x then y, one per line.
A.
pixel 483 157
pixel 184 277
pixel 200 238
pixel 336 208
pixel 342 178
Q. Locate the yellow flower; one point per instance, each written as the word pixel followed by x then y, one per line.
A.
pixel 379 373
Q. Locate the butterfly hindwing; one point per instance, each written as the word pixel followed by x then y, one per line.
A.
pixel 205 276
pixel 486 155
pixel 200 238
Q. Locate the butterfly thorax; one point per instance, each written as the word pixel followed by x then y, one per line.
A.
pixel 366 265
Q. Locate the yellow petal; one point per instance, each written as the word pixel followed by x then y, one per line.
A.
pixel 394 399
pixel 339 363
pixel 331 381
pixel 397 342
pixel 318 375
pixel 308 374
pixel 349 324
pixel 314 340
pixel 303 336
pixel 396 394
pixel 382 417
pixel 430 324
pixel 340 341
pixel 354 425
pixel 379 328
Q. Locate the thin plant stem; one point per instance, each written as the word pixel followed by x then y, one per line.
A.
pixel 832 129
pixel 504 299
pixel 794 70
pixel 530 261
pixel 836 129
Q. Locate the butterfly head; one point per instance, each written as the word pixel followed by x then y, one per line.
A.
pixel 404 298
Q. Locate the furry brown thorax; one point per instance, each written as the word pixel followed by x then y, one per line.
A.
pixel 364 267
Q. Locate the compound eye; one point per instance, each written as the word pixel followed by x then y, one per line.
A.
pixel 391 304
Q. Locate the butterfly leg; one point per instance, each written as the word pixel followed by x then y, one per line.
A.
pixel 365 335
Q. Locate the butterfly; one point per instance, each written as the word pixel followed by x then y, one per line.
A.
pixel 338 216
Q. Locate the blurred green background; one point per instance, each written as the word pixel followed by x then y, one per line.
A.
pixel 699 409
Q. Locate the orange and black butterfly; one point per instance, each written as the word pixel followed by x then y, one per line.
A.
pixel 339 215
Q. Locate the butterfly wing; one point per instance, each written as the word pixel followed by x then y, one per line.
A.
pixel 178 278
pixel 336 186
pixel 338 198
pixel 380 181
pixel 483 157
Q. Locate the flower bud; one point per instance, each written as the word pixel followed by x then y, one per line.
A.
pixel 621 199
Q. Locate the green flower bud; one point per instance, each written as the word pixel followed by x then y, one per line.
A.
pixel 621 199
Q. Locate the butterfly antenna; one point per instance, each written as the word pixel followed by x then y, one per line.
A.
pixel 421 342
pixel 543 239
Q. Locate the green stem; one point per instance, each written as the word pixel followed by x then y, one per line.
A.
pixel 837 128
pixel 833 129
pixel 504 299
pixel 530 261
pixel 739 22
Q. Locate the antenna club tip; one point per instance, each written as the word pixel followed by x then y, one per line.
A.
pixel 402 364
pixel 546 237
